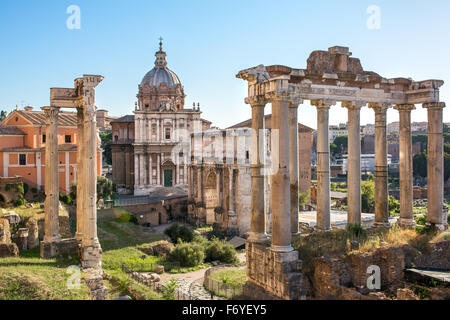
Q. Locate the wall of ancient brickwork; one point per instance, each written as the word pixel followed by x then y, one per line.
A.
pixel 274 274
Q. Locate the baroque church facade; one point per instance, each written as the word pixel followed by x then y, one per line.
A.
pixel 150 148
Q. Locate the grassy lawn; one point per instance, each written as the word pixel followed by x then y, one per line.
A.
pixel 31 278
pixel 233 277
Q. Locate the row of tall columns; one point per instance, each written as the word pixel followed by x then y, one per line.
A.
pixel 86 185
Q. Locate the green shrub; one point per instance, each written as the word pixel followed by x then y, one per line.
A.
pixel 421 220
pixel 26 187
pixel 65 198
pixel 168 292
pixel 187 254
pixel 128 217
pixel 445 235
pixel 220 250
pixel 176 232
pixel 355 230
pixel 394 205
pixel 7 187
pixel 34 190
pixel 19 202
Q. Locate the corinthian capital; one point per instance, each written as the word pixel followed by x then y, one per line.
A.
pixel 51 115
pixel 434 105
pixel 379 107
pixel 323 103
pixel 404 107
pixel 353 104
pixel 256 101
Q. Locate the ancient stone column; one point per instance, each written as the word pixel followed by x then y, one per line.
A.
pixel 51 229
pixel 257 226
pixel 80 175
pixel 293 164
pixel 323 165
pixel 435 168
pixel 381 166
pixel 354 162
pixel 91 250
pixel 281 205
pixel 406 219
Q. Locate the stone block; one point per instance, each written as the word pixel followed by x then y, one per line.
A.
pixel 8 250
pixel 13 218
pixel 33 233
pixel 69 247
pixel 406 294
pixel 5 231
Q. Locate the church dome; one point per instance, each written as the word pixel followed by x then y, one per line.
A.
pixel 160 73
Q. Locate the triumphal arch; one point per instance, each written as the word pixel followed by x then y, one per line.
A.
pixel 330 77
pixel 81 97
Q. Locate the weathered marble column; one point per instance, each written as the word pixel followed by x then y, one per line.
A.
pixel 91 250
pixel 293 163
pixel 51 225
pixel 435 169
pixel 323 165
pixel 257 226
pixel 354 162
pixel 381 166
pixel 281 205
pixel 406 219
pixel 80 175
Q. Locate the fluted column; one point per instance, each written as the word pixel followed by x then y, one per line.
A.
pixel 281 205
pixel 323 165
pixel 435 169
pixel 92 251
pixel 381 166
pixel 51 225
pixel 80 170
pixel 406 219
pixel 257 226
pixel 293 163
pixel 354 162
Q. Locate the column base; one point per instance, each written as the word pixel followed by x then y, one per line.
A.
pixel 406 223
pixel 441 227
pixel 381 225
pixel 320 229
pixel 52 249
pixel 49 249
pixel 257 237
pixel 282 249
pixel 91 256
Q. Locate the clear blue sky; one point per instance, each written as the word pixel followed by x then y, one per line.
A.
pixel 208 42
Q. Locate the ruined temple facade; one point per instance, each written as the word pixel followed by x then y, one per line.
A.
pixel 220 175
pixel 149 148
pixel 330 77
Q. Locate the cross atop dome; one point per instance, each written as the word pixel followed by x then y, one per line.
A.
pixel 160 43
pixel 160 56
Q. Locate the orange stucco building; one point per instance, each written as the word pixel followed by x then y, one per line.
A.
pixel 22 148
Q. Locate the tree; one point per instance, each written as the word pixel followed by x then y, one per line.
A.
pixel 420 165
pixel 105 188
pixel 106 139
pixel 3 115
pixel 367 195
pixel 339 145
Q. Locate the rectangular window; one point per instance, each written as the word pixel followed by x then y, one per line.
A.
pixel 68 138
pixel 167 133
pixel 22 159
pixel 44 137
